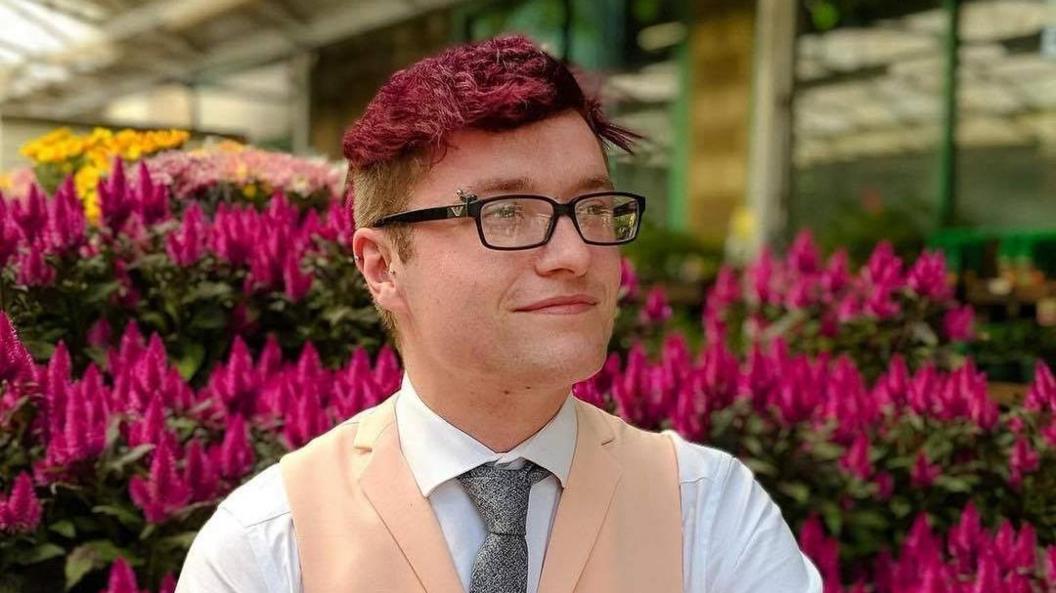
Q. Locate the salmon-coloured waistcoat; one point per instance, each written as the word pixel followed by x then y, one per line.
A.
pixel 363 525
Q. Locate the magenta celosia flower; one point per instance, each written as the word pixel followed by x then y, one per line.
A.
pixel 966 538
pixel 885 485
pixel 200 472
pixel 234 457
pixel 628 280
pixel 822 550
pixel 880 301
pixel 1049 433
pixel 99 334
pixel 9 235
pixel 957 323
pixel 33 269
pixel 836 275
pixel 168 584
pixel 296 281
pixel 21 512
pixel 115 201
pixel 1023 460
pixel 187 243
pixel 1042 393
pixel 164 490
pixel 928 276
pixel 656 310
pixel 122 578
pixel 760 276
pixel 803 257
pixel 150 427
pixel 16 365
pixel 31 215
pixel 884 267
pixel 66 223
pixel 150 199
pixel 924 472
pixel 856 459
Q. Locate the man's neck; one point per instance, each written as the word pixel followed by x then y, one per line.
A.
pixel 499 415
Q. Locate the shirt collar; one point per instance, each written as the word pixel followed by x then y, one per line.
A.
pixel 437 451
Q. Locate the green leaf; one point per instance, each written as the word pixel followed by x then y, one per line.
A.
pixel 133 455
pixel 39 553
pixel 100 292
pixel 64 528
pixel 191 361
pixel 180 541
pixel 209 291
pixel 125 516
pixel 87 557
pixel 209 318
pixel 797 491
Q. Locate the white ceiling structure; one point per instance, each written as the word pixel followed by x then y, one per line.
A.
pixel 878 90
pixel 63 59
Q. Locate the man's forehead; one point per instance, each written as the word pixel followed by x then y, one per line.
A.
pixel 513 183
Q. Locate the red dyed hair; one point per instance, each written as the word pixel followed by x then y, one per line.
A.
pixel 498 84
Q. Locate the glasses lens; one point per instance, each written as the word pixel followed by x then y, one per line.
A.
pixel 608 218
pixel 515 222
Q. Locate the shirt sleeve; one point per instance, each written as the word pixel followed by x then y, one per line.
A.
pixel 221 560
pixel 736 540
pixel 248 545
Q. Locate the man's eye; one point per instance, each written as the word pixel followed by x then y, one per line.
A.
pixel 506 212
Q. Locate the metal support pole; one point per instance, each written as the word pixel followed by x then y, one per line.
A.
pixel 948 148
pixel 770 134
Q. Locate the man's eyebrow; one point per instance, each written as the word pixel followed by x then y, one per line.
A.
pixel 524 184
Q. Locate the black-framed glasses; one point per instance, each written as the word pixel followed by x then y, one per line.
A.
pixel 524 221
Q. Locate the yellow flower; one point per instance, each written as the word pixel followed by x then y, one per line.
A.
pixel 250 191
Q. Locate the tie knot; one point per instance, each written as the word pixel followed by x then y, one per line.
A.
pixel 501 495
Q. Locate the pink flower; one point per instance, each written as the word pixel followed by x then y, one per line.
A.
pixel 927 277
pixel 656 310
pixel 151 199
pixel 99 334
pixel 65 227
pixel 33 270
pixel 297 282
pixel 200 472
pixel 957 323
pixel 22 511
pixel 924 472
pixel 1042 393
pixel 16 365
pixel 122 578
pixel 186 244
pixel 164 491
pixel 803 257
pixel 234 457
pixel 628 280
pixel 824 551
pixel 856 459
pixel 884 267
pixel 885 485
pixel 115 200
pixel 1024 460
pixel 761 279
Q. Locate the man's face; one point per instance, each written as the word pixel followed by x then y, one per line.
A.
pixel 465 306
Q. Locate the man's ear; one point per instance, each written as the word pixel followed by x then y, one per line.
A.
pixel 376 258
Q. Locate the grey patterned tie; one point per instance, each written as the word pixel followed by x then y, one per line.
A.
pixel 501 498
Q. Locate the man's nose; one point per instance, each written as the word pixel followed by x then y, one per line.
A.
pixel 565 250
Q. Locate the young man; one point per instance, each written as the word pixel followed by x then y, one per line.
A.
pixel 488 234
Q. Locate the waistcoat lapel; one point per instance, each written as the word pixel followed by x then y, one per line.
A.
pixel 389 485
pixel 584 503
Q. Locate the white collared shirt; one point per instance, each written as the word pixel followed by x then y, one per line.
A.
pixel 734 537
